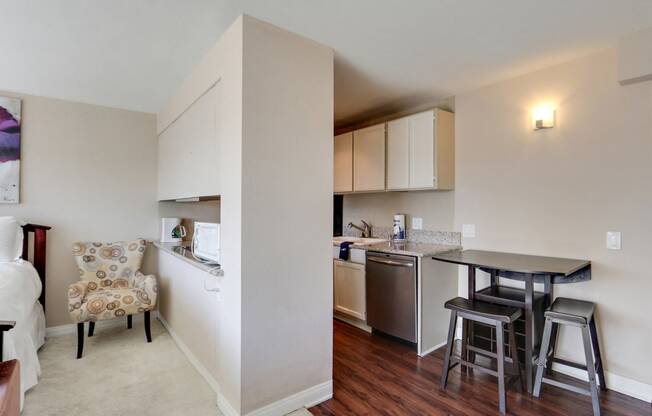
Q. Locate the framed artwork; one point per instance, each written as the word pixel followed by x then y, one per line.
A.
pixel 9 150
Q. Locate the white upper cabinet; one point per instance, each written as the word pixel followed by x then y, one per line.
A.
pixel 343 162
pixel 398 157
pixel 188 151
pixel 420 151
pixel 369 159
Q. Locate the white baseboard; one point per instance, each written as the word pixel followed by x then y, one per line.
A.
pixel 225 406
pixel 353 322
pixel 57 331
pixel 614 382
pixel 309 397
pixel 191 357
pixel 429 350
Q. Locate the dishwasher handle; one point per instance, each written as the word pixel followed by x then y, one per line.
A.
pixel 390 262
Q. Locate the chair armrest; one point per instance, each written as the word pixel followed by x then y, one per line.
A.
pixel 147 284
pixel 76 294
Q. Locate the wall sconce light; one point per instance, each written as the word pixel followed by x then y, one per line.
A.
pixel 543 117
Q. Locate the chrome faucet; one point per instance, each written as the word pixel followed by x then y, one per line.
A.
pixel 365 229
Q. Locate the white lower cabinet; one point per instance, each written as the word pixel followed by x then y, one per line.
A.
pixel 349 289
pixel 189 310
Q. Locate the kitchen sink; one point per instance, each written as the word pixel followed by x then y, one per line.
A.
pixel 357 250
pixel 360 241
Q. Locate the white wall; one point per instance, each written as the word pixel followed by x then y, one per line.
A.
pixel 275 127
pixel 557 192
pixel 287 188
pixel 90 173
pixel 223 64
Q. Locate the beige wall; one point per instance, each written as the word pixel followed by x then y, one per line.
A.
pixel 437 208
pixel 223 64
pixel 557 192
pixel 90 173
pixel 287 183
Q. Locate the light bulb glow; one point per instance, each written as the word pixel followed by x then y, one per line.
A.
pixel 543 117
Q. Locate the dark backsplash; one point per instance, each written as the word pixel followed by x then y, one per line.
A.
pixel 338 201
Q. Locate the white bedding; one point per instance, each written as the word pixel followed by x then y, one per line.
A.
pixel 20 288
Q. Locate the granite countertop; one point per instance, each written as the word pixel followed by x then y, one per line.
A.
pixel 410 248
pixel 182 251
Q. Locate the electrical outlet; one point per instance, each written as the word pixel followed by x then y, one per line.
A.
pixel 613 240
pixel 468 230
pixel 417 223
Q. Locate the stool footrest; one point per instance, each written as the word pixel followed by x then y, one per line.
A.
pixel 565 386
pixel 488 353
pixel 568 363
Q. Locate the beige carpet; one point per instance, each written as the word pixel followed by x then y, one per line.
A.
pixel 120 374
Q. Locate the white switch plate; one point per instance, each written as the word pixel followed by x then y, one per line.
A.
pixel 468 230
pixel 417 223
pixel 613 240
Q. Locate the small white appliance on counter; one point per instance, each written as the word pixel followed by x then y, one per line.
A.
pixel 206 242
pixel 398 229
pixel 171 230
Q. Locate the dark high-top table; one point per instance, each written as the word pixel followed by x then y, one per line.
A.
pixel 526 268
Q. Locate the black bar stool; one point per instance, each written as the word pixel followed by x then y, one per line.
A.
pixel 577 313
pixel 489 314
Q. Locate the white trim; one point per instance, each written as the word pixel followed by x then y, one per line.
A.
pixel 624 385
pixel 352 321
pixel 225 407
pixel 222 403
pixel 309 397
pixel 57 331
pixel 429 350
pixel 191 357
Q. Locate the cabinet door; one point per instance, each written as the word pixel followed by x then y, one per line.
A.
pixel 422 150
pixel 369 159
pixel 188 152
pixel 343 163
pixel 349 289
pixel 398 158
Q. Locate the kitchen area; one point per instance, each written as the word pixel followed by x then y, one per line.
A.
pixel 384 278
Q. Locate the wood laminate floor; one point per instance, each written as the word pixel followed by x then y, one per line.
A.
pixel 376 375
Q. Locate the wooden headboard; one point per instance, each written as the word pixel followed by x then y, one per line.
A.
pixel 38 251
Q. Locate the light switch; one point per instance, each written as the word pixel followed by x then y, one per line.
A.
pixel 613 240
pixel 417 223
pixel 468 230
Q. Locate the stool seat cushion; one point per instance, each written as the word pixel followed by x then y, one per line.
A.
pixel 571 310
pixel 487 310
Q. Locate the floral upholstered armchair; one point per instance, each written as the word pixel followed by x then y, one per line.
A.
pixel 111 286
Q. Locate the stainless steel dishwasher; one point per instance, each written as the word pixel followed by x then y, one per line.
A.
pixel 391 284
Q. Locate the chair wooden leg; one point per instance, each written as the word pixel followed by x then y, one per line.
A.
pixel 545 344
pixel 590 368
pixel 598 357
pixel 129 322
pixel 80 339
pixel 500 362
pixel 91 328
pixel 148 332
pixel 450 343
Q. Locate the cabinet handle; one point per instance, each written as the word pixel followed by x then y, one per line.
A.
pixel 390 262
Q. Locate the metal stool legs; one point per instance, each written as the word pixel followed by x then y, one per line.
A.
pixel 499 356
pixel 590 341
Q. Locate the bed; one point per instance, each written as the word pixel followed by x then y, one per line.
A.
pixel 22 300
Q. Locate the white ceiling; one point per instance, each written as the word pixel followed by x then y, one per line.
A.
pixel 390 54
